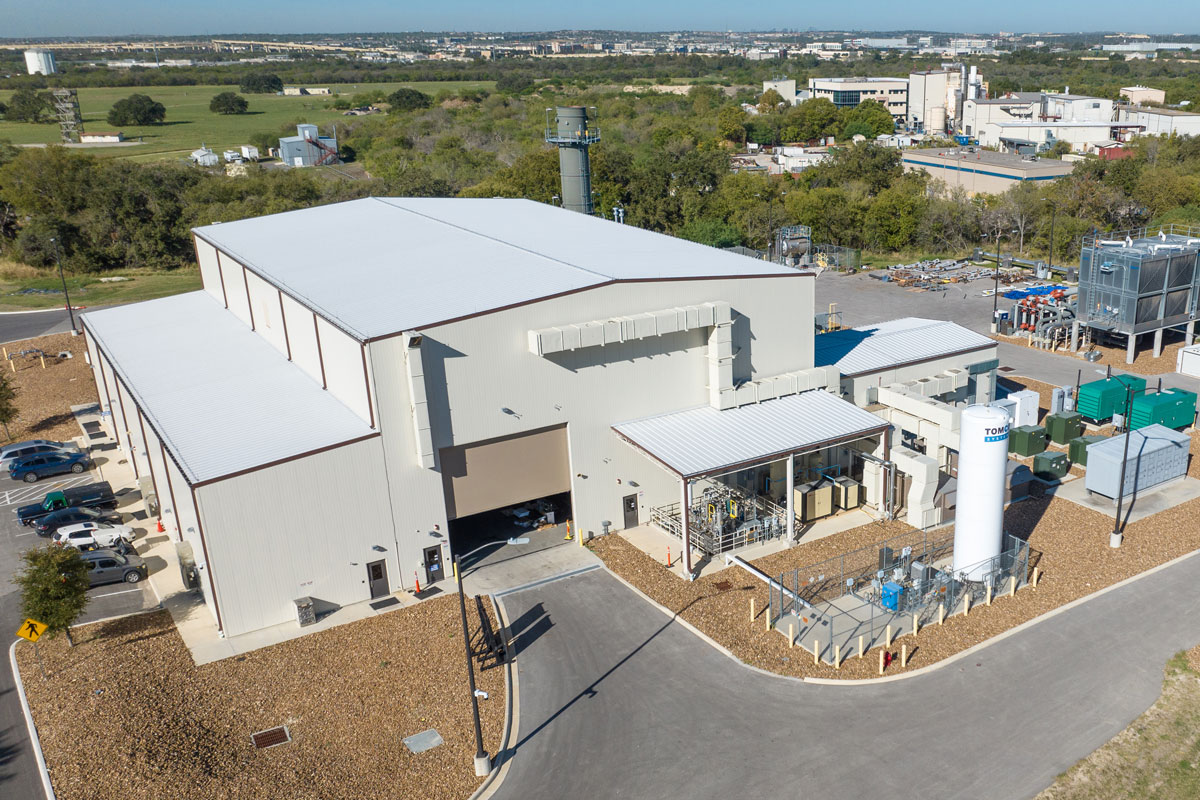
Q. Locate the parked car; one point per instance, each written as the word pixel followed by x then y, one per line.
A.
pixel 93 535
pixel 32 468
pixel 15 452
pixel 49 524
pixel 93 495
pixel 109 566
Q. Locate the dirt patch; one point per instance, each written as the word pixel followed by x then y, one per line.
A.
pixel 45 396
pixel 1073 557
pixel 348 695
pixel 1158 755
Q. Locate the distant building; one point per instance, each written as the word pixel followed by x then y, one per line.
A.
pixel 1139 95
pixel 294 91
pixel 891 93
pixel 1076 108
pixel 983 171
pixel 786 89
pixel 204 158
pixel 1160 121
pixel 308 148
pixel 936 97
pixel 96 138
pixel 39 62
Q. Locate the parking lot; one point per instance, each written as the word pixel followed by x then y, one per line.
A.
pixel 105 601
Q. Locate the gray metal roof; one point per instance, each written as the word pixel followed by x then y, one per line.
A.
pixel 1142 442
pixel 871 348
pixel 378 266
pixel 705 441
pixel 220 396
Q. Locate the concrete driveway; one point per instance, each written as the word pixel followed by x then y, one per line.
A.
pixel 617 700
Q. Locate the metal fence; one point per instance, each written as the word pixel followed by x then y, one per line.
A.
pixel 712 532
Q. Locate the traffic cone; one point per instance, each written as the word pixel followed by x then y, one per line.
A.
pixel 159 527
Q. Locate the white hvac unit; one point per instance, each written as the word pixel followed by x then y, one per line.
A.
pixel 1187 362
pixel 1027 407
pixel 982 464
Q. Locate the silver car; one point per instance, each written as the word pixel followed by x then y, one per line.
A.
pixel 11 452
pixel 109 566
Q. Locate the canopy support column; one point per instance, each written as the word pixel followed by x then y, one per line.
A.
pixel 685 517
pixel 791 493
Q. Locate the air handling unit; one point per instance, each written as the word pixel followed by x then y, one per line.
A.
pixel 571 132
pixel 982 467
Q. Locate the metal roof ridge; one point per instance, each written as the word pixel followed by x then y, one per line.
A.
pixel 386 200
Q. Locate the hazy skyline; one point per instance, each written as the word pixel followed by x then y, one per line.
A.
pixel 46 18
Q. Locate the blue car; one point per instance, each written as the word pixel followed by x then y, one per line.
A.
pixel 43 465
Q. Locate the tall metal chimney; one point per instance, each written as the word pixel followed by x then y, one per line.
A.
pixel 570 131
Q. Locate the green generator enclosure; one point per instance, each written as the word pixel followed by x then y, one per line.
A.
pixel 1051 466
pixel 1064 426
pixel 1099 400
pixel 1172 408
pixel 1027 440
pixel 1077 450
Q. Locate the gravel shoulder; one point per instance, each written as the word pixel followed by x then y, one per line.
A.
pixel 126 713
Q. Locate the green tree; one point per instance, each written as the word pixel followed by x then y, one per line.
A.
pixel 261 83
pixel 868 118
pixel 810 120
pixel 405 99
pixel 8 404
pixel 731 124
pixel 228 103
pixel 137 109
pixel 511 83
pixel 770 102
pixel 54 586
pixel 712 232
pixel 28 105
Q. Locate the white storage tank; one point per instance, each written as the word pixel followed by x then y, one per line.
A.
pixel 982 465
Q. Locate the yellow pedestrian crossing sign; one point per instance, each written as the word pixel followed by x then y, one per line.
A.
pixel 31 629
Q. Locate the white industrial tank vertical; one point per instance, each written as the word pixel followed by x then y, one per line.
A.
pixel 982 468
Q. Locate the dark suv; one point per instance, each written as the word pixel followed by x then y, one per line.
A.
pixel 109 566
pixel 47 525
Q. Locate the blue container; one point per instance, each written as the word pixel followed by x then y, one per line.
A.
pixel 891 595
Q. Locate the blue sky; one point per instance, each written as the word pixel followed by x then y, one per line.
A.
pixel 29 18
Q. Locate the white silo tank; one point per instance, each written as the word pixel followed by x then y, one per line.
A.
pixel 982 469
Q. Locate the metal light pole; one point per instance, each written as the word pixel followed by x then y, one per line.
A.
pixel 1053 214
pixel 996 290
pixel 1114 538
pixel 63 278
pixel 483 764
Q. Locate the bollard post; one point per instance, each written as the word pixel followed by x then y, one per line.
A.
pixel 752 610
pixel 987 598
pixel 916 625
pixel 1012 587
pixel 903 656
pixel 455 564
pixel 967 604
pixel 860 647
pixel 880 662
pixel 1036 575
pixel 887 637
pixel 767 620
pixel 941 614
pixel 791 635
pixel 816 652
pixel 837 656
pixel 43 358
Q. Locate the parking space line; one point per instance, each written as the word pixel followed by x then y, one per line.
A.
pixel 114 594
pixel 13 497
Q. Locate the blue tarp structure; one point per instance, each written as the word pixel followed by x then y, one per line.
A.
pixel 1033 291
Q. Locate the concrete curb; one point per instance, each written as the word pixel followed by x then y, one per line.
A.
pixel 568 574
pixel 512 708
pixel 34 741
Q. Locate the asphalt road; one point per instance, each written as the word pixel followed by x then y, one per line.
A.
pixel 619 701
pixel 19 779
pixel 17 325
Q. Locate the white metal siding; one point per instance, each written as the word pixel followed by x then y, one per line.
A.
pixel 190 532
pixel 268 319
pixel 235 288
pixel 302 336
pixel 118 418
pixel 210 273
pixel 303 528
pixel 344 374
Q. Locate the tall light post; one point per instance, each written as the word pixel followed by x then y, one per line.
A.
pixel 1053 214
pixel 483 764
pixel 63 278
pixel 1114 538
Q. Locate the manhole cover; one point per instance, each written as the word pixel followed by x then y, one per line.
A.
pixel 723 586
pixel 425 740
pixel 1005 369
pixel 270 737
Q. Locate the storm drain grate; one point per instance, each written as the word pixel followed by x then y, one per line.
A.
pixel 270 737
pixel 1006 369
pixel 723 586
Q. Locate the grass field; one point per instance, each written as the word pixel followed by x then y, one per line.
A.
pixel 189 123
pixel 23 288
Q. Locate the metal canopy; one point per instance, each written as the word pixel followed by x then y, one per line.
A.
pixel 705 441
pixel 885 345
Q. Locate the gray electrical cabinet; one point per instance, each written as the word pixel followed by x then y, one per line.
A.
pixel 1157 455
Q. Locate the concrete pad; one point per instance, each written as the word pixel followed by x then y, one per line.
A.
pixel 546 554
pixel 1145 504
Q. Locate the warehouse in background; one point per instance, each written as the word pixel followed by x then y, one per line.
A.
pixel 308 148
pixel 40 62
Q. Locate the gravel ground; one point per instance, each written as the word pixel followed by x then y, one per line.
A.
pixel 126 714
pixel 45 396
pixel 1075 560
pixel 1144 362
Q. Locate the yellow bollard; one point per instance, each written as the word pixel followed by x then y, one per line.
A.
pixel 455 565
pixel 887 637
pixel 1036 575
pixel 988 597
pixel 941 614
pixel 860 647
pixel 767 620
pixel 1012 587
pixel 916 625
pixel 43 358
pixel 880 662
pixel 837 656
pixel 751 609
pixel 903 656
pixel 816 652
pixel 791 635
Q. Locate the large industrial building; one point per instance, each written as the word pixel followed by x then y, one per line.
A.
pixel 981 171
pixel 891 93
pixel 936 97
